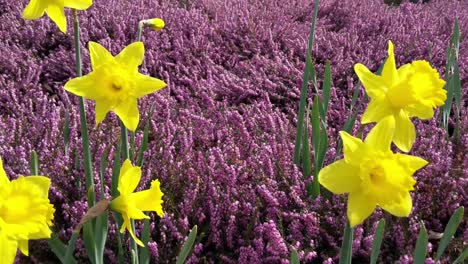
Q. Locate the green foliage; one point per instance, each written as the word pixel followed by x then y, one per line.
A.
pixel 187 247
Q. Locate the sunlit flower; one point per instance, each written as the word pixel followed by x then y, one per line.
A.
pixel 115 83
pixel 132 204
pixel 25 212
pixel 54 9
pixel 155 23
pixel 372 174
pixel 413 90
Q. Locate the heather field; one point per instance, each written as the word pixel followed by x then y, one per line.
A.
pixel 221 134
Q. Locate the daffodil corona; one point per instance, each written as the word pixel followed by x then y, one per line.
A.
pixel 132 204
pixel 413 90
pixel 372 174
pixel 54 9
pixel 115 83
pixel 25 213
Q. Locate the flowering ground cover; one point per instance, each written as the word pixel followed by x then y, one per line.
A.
pixel 221 134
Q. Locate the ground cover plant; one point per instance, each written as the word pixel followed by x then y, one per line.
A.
pixel 220 138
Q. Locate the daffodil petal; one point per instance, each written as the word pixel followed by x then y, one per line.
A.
pixel 389 72
pixel 373 84
pixel 136 213
pixel 376 110
pixel 350 146
pixel 8 249
pixel 3 177
pixel 78 4
pixel 57 14
pixel 411 163
pixel 127 225
pixel 400 207
pixel 421 111
pixel 34 10
pixel 380 137
pixel 129 180
pixel 98 54
pixel 84 86
pixel 102 108
pixel 128 113
pixel 146 85
pixel 405 133
pixel 132 56
pixel 360 207
pixel 42 183
pixel 340 177
pixel 150 200
pixel 23 246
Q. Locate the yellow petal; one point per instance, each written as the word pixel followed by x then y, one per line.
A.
pixel 351 146
pixel 78 4
pixel 56 14
pixel 340 177
pixel 128 113
pixel 401 206
pixel 136 213
pixel 373 84
pixel 376 110
pixel 150 200
pixel 132 55
pixel 389 72
pixel 405 133
pixel 23 246
pixel 127 225
pixel 380 137
pixel 426 84
pixel 42 183
pixel 421 111
pixel 3 177
pixel 146 85
pixel 7 249
pixel 34 10
pixel 85 86
pixel 359 208
pixel 129 179
pixel 98 54
pixel 102 108
pixel 411 163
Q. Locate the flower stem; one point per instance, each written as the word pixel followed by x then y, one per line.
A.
pixel 139 30
pixel 83 123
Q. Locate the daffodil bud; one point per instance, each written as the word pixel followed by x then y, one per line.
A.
pixel 155 23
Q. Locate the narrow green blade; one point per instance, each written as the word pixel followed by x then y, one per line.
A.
pixel 187 247
pixel 463 256
pixel 71 248
pixel 294 257
pixel 377 243
pixel 145 237
pixel 346 251
pixel 326 89
pixel 315 119
pixel 420 250
pixel 449 231
pixel 34 163
pixel 59 249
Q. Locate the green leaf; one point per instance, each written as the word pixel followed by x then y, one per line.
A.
pixel 449 231
pixel 66 132
pixel 316 142
pixel 326 89
pixel 305 80
pixel 34 163
pixel 144 142
pixel 187 247
pixel 145 237
pixel 59 249
pixel 462 257
pixel 71 248
pixel 420 250
pixel 378 236
pixel 346 251
pixel 90 245
pixel 102 227
pixel 294 257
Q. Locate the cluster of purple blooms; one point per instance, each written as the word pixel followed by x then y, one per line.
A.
pixel 222 134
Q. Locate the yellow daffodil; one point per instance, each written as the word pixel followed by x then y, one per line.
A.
pixel 155 23
pixel 25 213
pixel 372 174
pixel 115 83
pixel 132 204
pixel 54 9
pixel 413 90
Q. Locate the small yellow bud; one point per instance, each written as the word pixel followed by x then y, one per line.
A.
pixel 155 23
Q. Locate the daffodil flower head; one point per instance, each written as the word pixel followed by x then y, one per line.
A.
pixel 132 204
pixel 25 212
pixel 115 83
pixel 413 90
pixel 155 23
pixel 372 174
pixel 54 9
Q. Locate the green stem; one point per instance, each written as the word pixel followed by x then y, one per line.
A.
pixel 139 30
pixel 83 123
